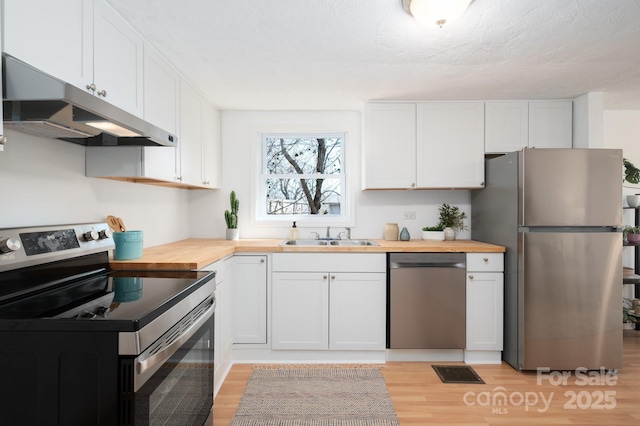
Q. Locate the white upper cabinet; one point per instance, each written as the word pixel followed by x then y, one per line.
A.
pixel 506 126
pixel 428 145
pixel 199 151
pixel 450 145
pixel 96 49
pixel 390 146
pixel 190 140
pixel 551 124
pixel 211 149
pixel 30 25
pixel 117 60
pixel 161 91
pixel 513 125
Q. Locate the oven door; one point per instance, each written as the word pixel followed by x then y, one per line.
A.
pixel 171 382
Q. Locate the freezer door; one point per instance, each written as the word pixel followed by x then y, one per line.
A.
pixel 570 187
pixel 570 288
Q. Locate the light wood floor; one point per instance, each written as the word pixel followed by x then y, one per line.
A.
pixel 420 398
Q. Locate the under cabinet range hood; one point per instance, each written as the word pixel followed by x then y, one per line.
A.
pixel 39 104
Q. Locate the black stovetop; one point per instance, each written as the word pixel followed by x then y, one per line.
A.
pixel 77 295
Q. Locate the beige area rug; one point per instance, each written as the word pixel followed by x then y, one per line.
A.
pixel 315 396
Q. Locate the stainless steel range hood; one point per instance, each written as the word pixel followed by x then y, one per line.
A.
pixel 41 105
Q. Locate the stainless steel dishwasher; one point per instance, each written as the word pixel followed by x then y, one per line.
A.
pixel 426 301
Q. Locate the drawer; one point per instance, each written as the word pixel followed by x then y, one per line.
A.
pixel 330 262
pixel 481 262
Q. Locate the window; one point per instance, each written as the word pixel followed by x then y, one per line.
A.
pixel 302 176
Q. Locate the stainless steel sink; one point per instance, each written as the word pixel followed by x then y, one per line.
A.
pixel 328 243
pixel 304 243
pixel 353 243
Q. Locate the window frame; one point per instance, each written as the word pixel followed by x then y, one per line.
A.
pixel 261 216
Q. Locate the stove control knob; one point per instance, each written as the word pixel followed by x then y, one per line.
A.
pixel 9 245
pixel 104 234
pixel 90 236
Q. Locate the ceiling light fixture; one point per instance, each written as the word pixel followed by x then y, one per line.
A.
pixel 438 12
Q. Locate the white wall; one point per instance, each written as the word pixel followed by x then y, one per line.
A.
pixel 42 182
pixel 588 131
pixel 372 208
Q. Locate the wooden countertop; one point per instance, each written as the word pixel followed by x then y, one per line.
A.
pixel 196 253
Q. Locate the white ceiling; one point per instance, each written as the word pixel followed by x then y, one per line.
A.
pixel 335 54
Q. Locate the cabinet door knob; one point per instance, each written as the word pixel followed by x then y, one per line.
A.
pixel 485 259
pixel 102 93
pixel 470 277
pixel 261 260
pixel 324 277
pixel 91 87
pixel 333 277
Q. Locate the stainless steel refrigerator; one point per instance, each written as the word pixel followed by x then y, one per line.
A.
pixel 558 212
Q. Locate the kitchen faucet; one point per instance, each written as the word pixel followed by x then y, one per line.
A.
pixel 346 231
pixel 328 234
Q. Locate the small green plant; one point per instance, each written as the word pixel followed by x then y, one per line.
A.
pixel 628 314
pixel 630 230
pixel 231 217
pixel 452 217
pixel 438 227
pixel 631 172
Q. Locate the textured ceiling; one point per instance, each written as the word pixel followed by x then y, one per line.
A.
pixel 335 54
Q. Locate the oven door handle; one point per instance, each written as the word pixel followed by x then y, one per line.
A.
pixel 149 360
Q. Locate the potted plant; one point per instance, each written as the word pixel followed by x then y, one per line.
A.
pixel 451 217
pixel 631 234
pixel 629 315
pixel 631 175
pixel 231 218
pixel 433 232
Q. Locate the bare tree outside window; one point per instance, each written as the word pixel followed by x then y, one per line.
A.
pixel 303 175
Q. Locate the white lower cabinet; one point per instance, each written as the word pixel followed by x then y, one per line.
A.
pixel 485 312
pixel 357 306
pixel 325 301
pixel 249 280
pixel 223 338
pixel 300 310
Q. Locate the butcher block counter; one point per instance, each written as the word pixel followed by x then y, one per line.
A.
pixel 196 253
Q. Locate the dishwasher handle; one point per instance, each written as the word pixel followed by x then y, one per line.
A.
pixel 427 260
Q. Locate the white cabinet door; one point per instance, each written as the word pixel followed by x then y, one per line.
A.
pixel 357 306
pixel 117 60
pixel 450 145
pixel 226 331
pixel 190 139
pixel 484 311
pixel 300 310
pixel 249 299
pixel 551 124
pixel 217 347
pixel 390 146
pixel 53 36
pixel 199 163
pixel 210 146
pixel 161 102
pixel 506 126
pixel 161 91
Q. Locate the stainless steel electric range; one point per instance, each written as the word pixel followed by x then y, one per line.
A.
pixel 81 344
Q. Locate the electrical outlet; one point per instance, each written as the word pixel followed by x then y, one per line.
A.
pixel 410 215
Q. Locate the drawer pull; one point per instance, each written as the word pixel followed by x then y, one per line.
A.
pixel 470 277
pixel 486 259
